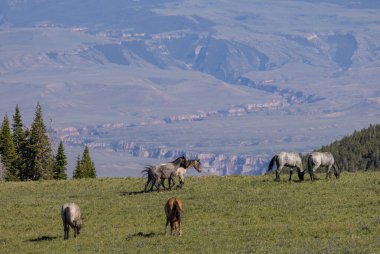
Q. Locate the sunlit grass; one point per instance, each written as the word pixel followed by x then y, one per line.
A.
pixel 236 214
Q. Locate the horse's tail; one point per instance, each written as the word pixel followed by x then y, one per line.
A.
pixel 177 211
pixel 147 170
pixel 309 163
pixel 65 214
pixel 272 161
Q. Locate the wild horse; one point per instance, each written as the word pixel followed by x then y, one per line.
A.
pixel 163 171
pixel 282 159
pixel 317 159
pixel 181 171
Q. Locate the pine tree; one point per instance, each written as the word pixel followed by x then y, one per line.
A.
pixel 60 162
pixel 40 149
pixel 20 141
pixel 8 152
pixel 77 171
pixel 87 165
pixel 359 151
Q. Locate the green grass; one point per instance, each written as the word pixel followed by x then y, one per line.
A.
pixel 235 214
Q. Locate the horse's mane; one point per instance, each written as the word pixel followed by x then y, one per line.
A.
pixel 178 160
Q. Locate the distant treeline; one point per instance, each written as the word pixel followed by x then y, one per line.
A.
pixel 359 151
pixel 26 153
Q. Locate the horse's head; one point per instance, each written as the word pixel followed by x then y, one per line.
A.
pixel 301 175
pixel 198 165
pixel 336 171
pixel 78 224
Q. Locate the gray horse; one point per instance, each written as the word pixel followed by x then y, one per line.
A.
pixel 158 173
pixel 282 159
pixel 317 159
pixel 71 217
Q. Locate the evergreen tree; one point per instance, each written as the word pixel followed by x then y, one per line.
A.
pixel 359 151
pixel 87 165
pixel 8 152
pixel 77 171
pixel 20 141
pixel 60 162
pixel 40 149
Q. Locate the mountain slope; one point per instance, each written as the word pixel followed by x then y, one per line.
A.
pixel 248 79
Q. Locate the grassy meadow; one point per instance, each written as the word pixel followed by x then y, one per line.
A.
pixel 234 214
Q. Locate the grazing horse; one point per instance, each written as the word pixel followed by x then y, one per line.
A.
pixel 282 159
pixel 181 171
pixel 163 171
pixel 317 159
pixel 71 217
pixel 174 214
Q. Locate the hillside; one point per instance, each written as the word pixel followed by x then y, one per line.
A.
pixel 232 83
pixel 358 151
pixel 222 215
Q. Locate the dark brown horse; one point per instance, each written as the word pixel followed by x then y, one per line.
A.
pixel 174 214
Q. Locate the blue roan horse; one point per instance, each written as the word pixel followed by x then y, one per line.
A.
pixel 292 160
pixel 317 159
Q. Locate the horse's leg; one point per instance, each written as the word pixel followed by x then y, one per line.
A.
pixel 172 228
pixel 166 227
pixel 157 184
pixel 328 172
pixel 314 168
pixel 181 180
pixel 163 183
pixel 179 227
pixel 66 229
pixel 171 181
pixel 278 173
pixel 149 181
pixel 290 174
pixel 152 184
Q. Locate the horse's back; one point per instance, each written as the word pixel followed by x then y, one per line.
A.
pixel 70 212
pixel 322 157
pixel 171 204
pixel 289 158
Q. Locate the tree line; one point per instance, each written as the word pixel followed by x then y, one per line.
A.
pixel 359 151
pixel 26 153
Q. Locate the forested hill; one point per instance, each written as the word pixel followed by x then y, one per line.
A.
pixel 359 151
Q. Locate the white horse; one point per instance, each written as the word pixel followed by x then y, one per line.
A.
pixel 71 217
pixel 292 160
pixel 317 159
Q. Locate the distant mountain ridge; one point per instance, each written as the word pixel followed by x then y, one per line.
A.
pixel 249 78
